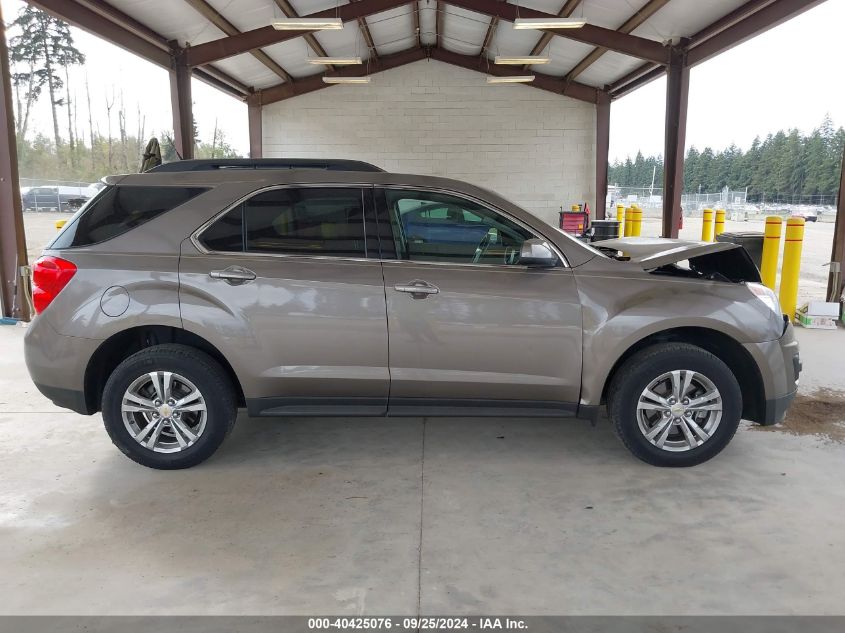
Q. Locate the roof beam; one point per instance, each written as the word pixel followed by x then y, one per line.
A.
pixel 222 81
pixel 81 16
pixel 312 42
pixel 212 15
pixel 267 35
pixel 368 37
pixel 439 19
pixel 416 14
pixel 635 79
pixel 565 11
pixel 556 85
pixel 315 82
pixel 387 62
pixel 488 37
pixel 649 9
pixel 728 20
pixel 633 45
pixel 127 22
pixel 208 74
pixel 110 24
pixel 767 17
pixel 745 19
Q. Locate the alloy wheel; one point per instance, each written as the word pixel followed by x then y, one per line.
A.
pixel 164 412
pixel 679 410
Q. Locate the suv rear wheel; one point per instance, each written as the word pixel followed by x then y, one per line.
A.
pixel 675 404
pixel 169 406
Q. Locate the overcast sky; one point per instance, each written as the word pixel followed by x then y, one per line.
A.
pixel 788 77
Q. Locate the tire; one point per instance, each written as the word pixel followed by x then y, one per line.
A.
pixel 682 446
pixel 190 371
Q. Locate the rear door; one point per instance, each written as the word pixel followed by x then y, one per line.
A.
pixel 283 285
pixel 471 330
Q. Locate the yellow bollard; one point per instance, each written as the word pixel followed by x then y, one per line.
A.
pixel 620 217
pixel 719 227
pixel 791 266
pixel 771 250
pixel 707 226
pixel 60 224
pixel 629 219
pixel 637 222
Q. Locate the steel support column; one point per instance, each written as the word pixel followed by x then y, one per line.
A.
pixel 837 253
pixel 253 104
pixel 12 238
pixel 677 96
pixel 180 102
pixel 602 149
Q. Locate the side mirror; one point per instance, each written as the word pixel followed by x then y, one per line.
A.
pixel 536 252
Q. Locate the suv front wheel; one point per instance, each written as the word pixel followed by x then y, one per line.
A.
pixel 675 404
pixel 169 406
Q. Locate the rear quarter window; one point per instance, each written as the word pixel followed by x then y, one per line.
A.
pixel 118 209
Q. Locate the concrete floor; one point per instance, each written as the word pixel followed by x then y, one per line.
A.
pixel 442 516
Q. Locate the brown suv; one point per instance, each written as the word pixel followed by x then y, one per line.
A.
pixel 306 288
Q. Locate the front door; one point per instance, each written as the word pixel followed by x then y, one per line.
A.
pixel 471 330
pixel 282 286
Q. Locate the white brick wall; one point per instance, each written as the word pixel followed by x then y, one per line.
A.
pixel 531 146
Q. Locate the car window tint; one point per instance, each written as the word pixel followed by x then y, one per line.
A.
pixel 118 209
pixel 431 226
pixel 226 234
pixel 306 221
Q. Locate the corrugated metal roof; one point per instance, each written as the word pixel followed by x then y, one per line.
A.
pixel 392 31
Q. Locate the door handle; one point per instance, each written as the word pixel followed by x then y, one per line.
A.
pixel 418 289
pixel 233 275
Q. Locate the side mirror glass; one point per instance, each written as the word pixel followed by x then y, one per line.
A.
pixel 537 252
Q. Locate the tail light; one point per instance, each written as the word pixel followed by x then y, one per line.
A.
pixel 49 276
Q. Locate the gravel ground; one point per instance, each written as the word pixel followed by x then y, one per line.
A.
pixel 818 238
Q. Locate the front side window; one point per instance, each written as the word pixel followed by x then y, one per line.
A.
pixel 305 221
pixel 431 226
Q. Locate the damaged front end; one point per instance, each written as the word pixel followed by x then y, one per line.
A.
pixel 716 261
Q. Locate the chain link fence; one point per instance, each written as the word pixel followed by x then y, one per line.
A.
pixel 736 202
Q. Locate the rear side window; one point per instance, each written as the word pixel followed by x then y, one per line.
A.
pixel 307 221
pixel 118 209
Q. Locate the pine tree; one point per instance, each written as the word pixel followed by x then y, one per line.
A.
pixel 786 166
pixel 45 47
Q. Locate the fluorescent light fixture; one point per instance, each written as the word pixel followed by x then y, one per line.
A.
pixel 548 23
pixel 346 80
pixel 308 24
pixel 526 59
pixel 510 79
pixel 335 61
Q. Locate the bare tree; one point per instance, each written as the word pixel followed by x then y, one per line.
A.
pixel 90 123
pixel 214 140
pixel 121 123
pixel 109 106
pixel 70 105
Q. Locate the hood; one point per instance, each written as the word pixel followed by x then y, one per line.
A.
pixel 722 260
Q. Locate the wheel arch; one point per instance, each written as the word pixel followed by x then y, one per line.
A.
pixel 123 344
pixel 721 345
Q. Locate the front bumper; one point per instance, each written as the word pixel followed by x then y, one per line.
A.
pixel 779 362
pixel 776 409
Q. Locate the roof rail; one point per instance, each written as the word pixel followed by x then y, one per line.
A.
pixel 265 163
